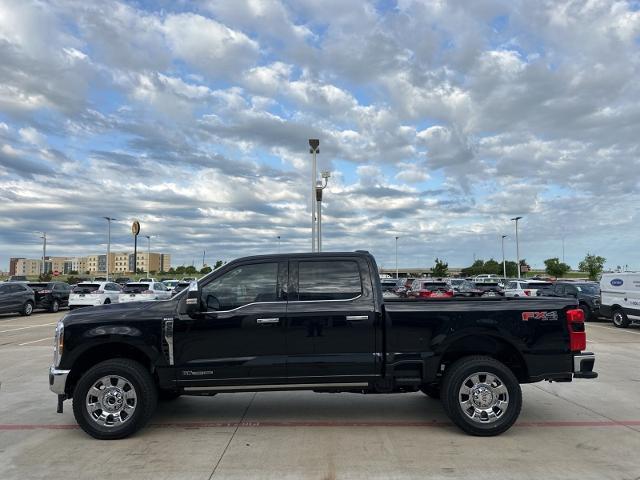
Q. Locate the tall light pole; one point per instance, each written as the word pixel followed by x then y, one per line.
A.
pixel 319 188
pixel 517 244
pixel 108 219
pixel 44 250
pixel 504 264
pixel 562 248
pixel 397 257
pixel 314 143
pixel 278 243
pixel 149 256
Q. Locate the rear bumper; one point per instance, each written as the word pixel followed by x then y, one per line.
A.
pixel 58 380
pixel 85 302
pixel 583 365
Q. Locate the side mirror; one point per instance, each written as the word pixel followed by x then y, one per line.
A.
pixel 192 302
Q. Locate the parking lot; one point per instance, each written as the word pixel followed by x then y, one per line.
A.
pixel 586 429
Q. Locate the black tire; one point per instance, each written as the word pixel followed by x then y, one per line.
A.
pixel 431 391
pixel 107 301
pixel 587 313
pixel 620 319
pixel 451 395
pixel 144 389
pixel 55 306
pixel 27 309
pixel 168 395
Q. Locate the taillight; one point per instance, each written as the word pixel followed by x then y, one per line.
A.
pixel 449 293
pixel 44 291
pixel 425 293
pixel 527 293
pixel 577 334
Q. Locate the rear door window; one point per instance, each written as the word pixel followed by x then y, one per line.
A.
pixel 328 280
pixel 86 288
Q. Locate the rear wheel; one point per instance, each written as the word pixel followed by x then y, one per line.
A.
pixel 107 301
pixel 27 309
pixel 587 312
pixel 620 319
pixel 114 399
pixel 55 306
pixel 481 395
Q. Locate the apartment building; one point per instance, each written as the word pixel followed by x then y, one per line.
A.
pixel 120 262
pixel 27 266
pixel 12 264
pixel 154 262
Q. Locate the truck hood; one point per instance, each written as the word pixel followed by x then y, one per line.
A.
pixel 117 312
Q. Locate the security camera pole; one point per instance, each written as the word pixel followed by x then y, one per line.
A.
pixel 517 244
pixel 319 188
pixel 314 143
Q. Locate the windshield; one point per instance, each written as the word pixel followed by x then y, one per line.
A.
pixel 136 287
pixel 86 288
pixel 589 289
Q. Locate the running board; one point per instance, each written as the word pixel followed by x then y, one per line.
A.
pixel 285 386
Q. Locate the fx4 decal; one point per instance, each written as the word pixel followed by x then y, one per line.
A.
pixel 544 316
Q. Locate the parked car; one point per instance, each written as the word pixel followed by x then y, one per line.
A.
pixel 524 288
pixel 489 288
pixel 403 285
pixel 189 279
pixel 51 295
pixel 467 289
pixel 587 293
pixel 429 289
pixel 122 281
pixel 16 298
pixel 388 284
pixel 180 286
pixel 620 297
pixel 149 280
pixel 170 283
pixel 17 278
pixel 93 294
pixel 144 291
pixel 236 331
pixel 99 279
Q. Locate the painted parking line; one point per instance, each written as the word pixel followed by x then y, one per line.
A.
pixel 336 424
pixel 615 329
pixel 30 326
pixel 36 341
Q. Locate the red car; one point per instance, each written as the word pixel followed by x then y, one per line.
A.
pixel 430 289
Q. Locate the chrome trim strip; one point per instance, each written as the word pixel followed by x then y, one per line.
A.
pixel 322 301
pixel 275 387
pixel 268 320
pixel 356 318
pixel 168 336
pixel 57 380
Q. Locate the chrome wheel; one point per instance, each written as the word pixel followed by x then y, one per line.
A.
pixel 28 309
pixel 618 319
pixel 111 401
pixel 483 397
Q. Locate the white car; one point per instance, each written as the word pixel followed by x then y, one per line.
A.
pixel 524 288
pixel 94 293
pixel 620 297
pixel 171 284
pixel 144 291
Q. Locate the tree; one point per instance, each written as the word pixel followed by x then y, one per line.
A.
pixel 190 270
pixel 73 272
pixel 554 267
pixel 440 269
pixel 172 271
pixel 593 265
pixel 44 277
pixel 180 270
pixel 512 268
pixel 205 270
pixel 218 264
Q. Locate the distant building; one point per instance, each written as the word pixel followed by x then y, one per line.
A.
pixel 12 264
pixel 26 266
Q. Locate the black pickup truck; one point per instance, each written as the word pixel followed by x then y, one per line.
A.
pixel 312 322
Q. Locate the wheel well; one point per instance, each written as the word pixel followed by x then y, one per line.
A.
pixel 490 346
pixel 101 353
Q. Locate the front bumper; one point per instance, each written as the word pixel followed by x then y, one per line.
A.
pixel 58 380
pixel 583 365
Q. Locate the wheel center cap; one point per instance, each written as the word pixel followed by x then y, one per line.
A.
pixel 113 399
pixel 482 396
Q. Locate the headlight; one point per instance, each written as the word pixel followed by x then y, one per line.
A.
pixel 58 346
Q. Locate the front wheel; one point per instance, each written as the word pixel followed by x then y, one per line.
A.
pixel 55 306
pixel 620 319
pixel 114 399
pixel 481 395
pixel 27 309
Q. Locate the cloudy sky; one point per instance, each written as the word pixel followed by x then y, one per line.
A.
pixel 439 121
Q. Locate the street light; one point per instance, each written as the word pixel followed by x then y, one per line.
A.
pixel 319 188
pixel 397 257
pixel 108 219
pixel 504 264
pixel 314 143
pixel 44 250
pixel 517 244
pixel 149 255
pixel 278 243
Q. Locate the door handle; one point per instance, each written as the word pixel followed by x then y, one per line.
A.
pixel 268 320
pixel 357 318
